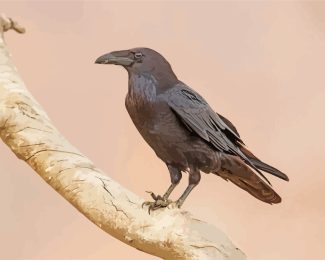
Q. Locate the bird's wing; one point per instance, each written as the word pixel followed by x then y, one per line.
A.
pixel 230 125
pixel 198 117
pixel 196 113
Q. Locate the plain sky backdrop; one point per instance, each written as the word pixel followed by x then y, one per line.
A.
pixel 261 64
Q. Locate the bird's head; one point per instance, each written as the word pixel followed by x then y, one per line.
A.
pixel 138 60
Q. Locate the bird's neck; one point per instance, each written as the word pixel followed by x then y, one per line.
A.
pixel 142 87
pixel 162 79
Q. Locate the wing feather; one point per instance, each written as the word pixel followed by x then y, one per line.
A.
pixel 198 116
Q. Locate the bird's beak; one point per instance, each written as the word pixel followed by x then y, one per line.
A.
pixel 116 57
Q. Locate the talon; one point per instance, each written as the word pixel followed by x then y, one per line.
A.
pixel 149 209
pixel 159 203
pixel 146 203
pixel 153 206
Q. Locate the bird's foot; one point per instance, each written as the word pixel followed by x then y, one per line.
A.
pixel 159 202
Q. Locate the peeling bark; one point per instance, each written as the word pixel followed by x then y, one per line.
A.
pixel 29 133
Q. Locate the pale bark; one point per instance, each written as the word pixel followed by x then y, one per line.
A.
pixel 27 130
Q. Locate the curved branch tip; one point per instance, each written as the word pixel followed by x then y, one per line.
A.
pixel 7 24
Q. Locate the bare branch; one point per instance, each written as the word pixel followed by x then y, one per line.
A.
pixel 7 24
pixel 27 130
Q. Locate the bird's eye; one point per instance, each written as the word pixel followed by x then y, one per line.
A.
pixel 138 55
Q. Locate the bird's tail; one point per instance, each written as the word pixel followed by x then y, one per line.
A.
pixel 239 173
pixel 263 166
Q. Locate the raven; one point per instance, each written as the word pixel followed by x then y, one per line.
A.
pixel 184 131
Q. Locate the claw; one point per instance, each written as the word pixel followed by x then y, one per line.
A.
pixel 159 202
pixel 146 203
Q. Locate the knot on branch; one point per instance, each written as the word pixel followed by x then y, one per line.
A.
pixel 7 23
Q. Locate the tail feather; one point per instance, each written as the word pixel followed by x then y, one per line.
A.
pixel 267 168
pixel 235 170
pixel 252 158
pixel 263 166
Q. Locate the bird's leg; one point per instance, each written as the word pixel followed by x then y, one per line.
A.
pixel 175 178
pixel 182 198
pixel 169 191
pixel 163 201
pixel 194 179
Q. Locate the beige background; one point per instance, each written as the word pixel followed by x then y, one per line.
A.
pixel 260 64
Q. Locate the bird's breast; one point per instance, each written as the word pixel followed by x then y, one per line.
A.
pixel 141 101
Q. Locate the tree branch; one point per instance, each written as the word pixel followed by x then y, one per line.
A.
pixel 27 130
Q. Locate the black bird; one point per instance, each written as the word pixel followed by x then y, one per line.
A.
pixel 184 131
